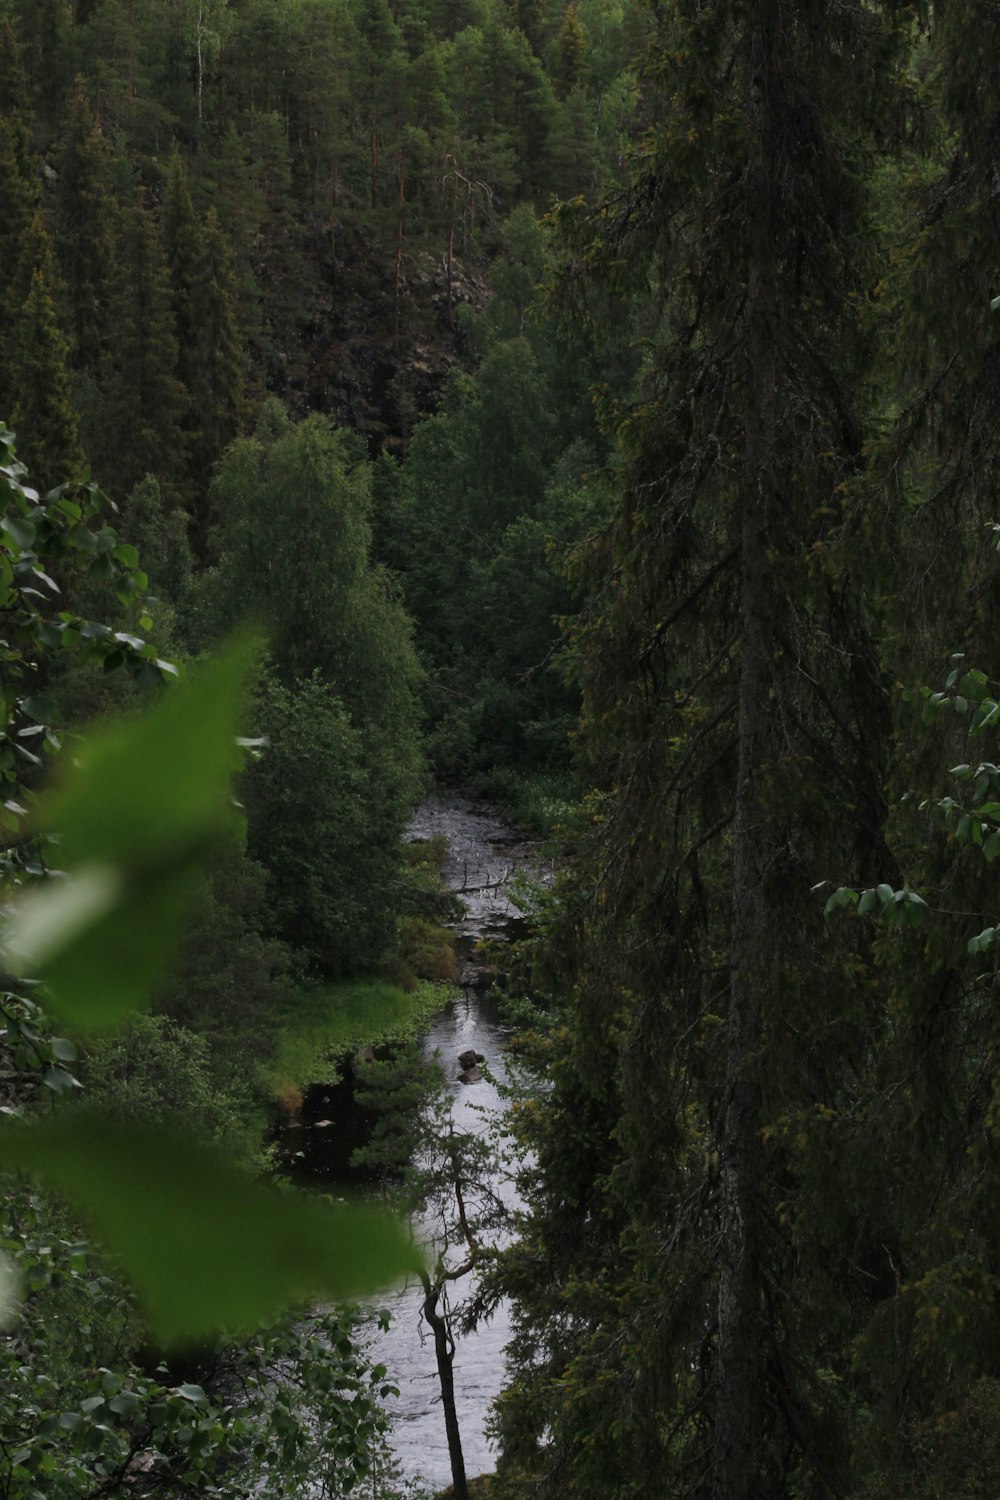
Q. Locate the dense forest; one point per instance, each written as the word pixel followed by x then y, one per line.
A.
pixel 592 406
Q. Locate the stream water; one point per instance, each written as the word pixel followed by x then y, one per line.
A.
pixel 483 855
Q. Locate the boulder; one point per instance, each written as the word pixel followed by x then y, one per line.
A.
pixel 469 1058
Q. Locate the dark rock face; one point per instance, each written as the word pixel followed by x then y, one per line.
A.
pixel 375 351
pixel 470 1058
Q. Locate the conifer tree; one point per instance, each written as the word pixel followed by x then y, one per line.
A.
pixel 184 250
pixel 210 350
pixel 930 1351
pixel 85 231
pixel 35 253
pixel 18 179
pixel 143 398
pixel 679 1305
pixel 43 29
pixel 570 51
pixel 44 417
pixel 217 371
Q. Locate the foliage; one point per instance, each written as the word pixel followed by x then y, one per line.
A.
pixel 339 709
pixel 307 796
pixel 952 1454
pixel 480 562
pixel 81 1410
pixel 46 544
pixel 134 823
pixel 157 1072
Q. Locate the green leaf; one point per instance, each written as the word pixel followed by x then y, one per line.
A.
pixel 41 709
pixel 125 1404
pixel 843 896
pixel 21 532
pixel 205 1247
pixel 973 684
pixel 868 901
pixel 884 893
pixel 135 820
pixel 163 779
pixel 192 1393
pixel 60 1082
pixel 10 1288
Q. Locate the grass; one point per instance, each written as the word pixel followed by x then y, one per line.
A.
pixel 330 1020
pixel 542 802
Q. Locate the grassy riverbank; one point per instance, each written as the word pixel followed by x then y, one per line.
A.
pixel 329 1020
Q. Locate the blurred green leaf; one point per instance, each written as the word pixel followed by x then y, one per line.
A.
pixel 160 781
pixel 205 1247
pixel 135 819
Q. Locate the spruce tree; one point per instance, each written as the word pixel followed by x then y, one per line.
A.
pixel 141 430
pixel 184 250
pixel 930 1352
pixel 571 47
pixel 18 176
pixel 85 231
pixel 683 1319
pixel 217 372
pixel 211 357
pixel 44 417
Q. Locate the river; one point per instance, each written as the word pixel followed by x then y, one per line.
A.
pixel 483 855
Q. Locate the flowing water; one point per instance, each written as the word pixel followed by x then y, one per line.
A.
pixel 483 855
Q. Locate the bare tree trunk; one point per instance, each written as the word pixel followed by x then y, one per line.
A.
pixel 444 1351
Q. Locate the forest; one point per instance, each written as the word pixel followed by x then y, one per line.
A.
pixel 592 406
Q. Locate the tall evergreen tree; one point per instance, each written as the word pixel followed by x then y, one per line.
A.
pixel 85 230
pixel 143 399
pixel 183 247
pixel 217 374
pixel 211 357
pixel 44 416
pixel 931 1351
pixel 18 176
pixel 678 1312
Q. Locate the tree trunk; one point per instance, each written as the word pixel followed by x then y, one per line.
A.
pixel 444 1351
pixel 742 1334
